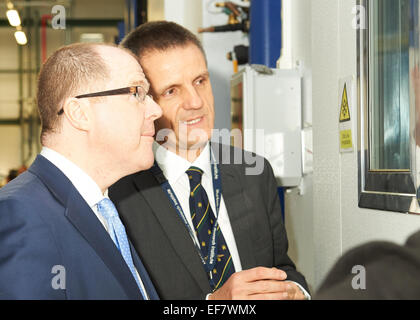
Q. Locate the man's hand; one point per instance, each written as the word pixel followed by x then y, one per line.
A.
pixel 258 284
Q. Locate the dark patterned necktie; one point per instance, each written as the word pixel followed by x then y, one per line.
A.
pixel 203 220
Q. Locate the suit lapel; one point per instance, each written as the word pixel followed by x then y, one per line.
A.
pixel 82 217
pixel 238 212
pixel 173 227
pixel 148 285
pixel 84 220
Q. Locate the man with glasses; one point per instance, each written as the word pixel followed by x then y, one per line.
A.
pixel 60 235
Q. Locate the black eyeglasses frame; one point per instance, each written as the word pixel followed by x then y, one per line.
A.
pixel 134 90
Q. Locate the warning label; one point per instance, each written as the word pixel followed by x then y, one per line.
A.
pixel 344 110
pixel 346 141
pixel 345 126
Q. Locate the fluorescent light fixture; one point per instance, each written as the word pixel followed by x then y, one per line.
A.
pixel 92 37
pixel 20 37
pixel 13 17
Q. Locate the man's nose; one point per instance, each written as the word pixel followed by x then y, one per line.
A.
pixel 192 100
pixel 154 111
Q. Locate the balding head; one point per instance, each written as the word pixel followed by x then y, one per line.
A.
pixel 95 110
pixel 71 70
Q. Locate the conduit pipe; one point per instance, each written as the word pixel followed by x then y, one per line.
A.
pixel 44 20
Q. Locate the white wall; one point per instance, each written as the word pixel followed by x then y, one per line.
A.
pixel 184 12
pixel 296 51
pixel 337 222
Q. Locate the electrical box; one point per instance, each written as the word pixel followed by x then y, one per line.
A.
pixel 266 108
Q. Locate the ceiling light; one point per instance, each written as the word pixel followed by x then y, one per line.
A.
pixel 20 37
pixel 13 17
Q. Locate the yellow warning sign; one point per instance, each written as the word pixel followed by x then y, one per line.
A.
pixel 344 110
pixel 346 140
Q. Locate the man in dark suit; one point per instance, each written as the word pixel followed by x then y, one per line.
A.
pixel 375 270
pixel 205 225
pixel 60 235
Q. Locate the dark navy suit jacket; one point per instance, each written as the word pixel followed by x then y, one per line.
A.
pixel 52 246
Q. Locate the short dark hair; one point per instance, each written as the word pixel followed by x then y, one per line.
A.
pixel 160 36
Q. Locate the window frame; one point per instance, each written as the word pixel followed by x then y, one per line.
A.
pixel 389 190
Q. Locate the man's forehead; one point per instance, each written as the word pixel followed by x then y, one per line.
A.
pixel 109 52
pixel 117 58
pixel 124 66
pixel 130 76
pixel 170 62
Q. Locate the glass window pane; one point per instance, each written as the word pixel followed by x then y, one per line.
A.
pixel 389 32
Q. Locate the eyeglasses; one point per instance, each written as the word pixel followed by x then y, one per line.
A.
pixel 137 91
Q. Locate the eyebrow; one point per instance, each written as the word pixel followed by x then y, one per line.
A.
pixel 204 74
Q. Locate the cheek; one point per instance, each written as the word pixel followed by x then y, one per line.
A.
pixel 107 124
pixel 169 118
pixel 208 99
pixel 130 128
pixel 210 110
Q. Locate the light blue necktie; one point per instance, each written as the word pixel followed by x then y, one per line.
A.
pixel 119 236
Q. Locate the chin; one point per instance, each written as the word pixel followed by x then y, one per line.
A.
pixel 140 162
pixel 197 144
pixel 147 164
pixel 146 160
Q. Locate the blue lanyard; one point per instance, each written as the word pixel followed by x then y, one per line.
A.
pixel 217 188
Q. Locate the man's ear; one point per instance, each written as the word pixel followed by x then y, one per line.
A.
pixel 77 113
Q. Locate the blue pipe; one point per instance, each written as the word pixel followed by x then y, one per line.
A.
pixel 265 32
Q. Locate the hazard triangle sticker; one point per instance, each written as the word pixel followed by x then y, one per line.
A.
pixel 344 110
pixel 345 125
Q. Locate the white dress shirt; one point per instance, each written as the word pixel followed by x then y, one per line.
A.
pixel 174 168
pixel 84 184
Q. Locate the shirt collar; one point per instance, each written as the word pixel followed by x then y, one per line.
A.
pixel 85 185
pixel 173 166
